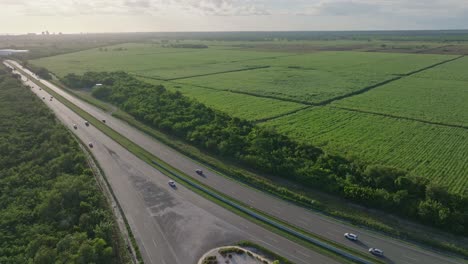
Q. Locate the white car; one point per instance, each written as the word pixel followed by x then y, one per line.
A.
pixel 172 184
pixel 376 251
pixel 351 236
pixel 75 126
pixel 86 123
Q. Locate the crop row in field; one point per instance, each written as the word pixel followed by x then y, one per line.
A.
pixel 440 101
pixel 437 152
pixel 237 105
pixel 453 71
pixel 314 78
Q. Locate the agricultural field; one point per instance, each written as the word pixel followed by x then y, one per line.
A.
pixel 455 70
pixel 439 101
pixel 436 152
pixel 154 60
pixel 239 105
pixel 317 77
pixel 258 81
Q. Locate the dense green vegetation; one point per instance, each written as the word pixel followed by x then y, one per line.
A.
pixel 51 210
pixel 436 152
pixel 264 150
pixel 440 101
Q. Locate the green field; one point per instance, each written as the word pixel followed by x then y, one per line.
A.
pixel 238 105
pixel 441 101
pixel 153 60
pixel 456 71
pixel 437 152
pixel 264 80
pixel 316 77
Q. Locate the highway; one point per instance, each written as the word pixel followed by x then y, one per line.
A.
pixel 171 225
pixel 395 251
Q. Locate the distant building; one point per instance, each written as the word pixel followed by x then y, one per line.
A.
pixel 8 52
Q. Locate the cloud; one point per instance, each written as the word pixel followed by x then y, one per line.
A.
pixel 419 8
pixel 213 14
pixel 135 7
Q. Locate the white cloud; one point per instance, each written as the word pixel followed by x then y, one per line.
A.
pixel 238 14
pixel 134 7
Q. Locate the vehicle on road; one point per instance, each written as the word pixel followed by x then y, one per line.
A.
pixel 43 97
pixel 40 89
pixel 199 172
pixel 376 251
pixel 75 126
pixel 104 121
pixel 351 236
pixel 86 123
pixel 90 144
pixel 172 184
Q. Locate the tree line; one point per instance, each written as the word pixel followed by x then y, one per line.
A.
pixel 264 150
pixel 51 210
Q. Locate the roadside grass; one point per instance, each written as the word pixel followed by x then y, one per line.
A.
pixel 264 251
pixel 167 169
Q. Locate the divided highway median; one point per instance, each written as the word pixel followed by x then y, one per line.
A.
pixel 253 214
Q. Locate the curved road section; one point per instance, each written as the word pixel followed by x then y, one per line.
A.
pixel 396 251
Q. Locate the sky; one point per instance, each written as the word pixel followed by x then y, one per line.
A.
pixel 75 16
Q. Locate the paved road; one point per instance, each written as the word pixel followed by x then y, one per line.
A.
pixel 395 251
pixel 171 225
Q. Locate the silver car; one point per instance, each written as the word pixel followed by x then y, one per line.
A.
pixel 351 236
pixel 376 251
pixel 172 184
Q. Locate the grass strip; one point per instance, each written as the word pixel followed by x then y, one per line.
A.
pixel 162 166
pixel 265 251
